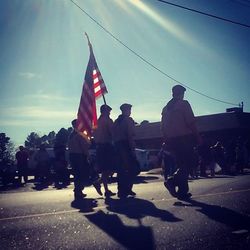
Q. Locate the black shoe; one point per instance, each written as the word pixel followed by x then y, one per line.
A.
pixel 131 193
pixel 170 187
pixel 109 193
pixel 186 196
pixel 80 196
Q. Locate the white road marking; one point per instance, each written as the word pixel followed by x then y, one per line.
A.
pixel 104 206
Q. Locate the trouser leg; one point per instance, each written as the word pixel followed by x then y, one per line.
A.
pixel 181 180
pixel 130 182
pixel 25 176
pixel 19 177
pixel 121 183
pixel 78 186
pixel 77 166
pixel 183 151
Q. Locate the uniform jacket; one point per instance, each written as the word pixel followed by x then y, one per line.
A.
pixel 77 144
pixel 178 119
pixel 104 132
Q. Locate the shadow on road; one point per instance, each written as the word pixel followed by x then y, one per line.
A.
pixel 136 208
pixel 131 237
pixel 223 215
pixel 40 186
pixel 85 205
pixel 144 179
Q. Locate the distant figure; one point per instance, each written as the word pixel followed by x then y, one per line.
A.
pixel 22 158
pixel 206 160
pixel 219 155
pixel 180 135
pixel 167 161
pixel 60 165
pixel 124 133
pixel 78 157
pixel 241 156
pixel 104 147
pixel 43 164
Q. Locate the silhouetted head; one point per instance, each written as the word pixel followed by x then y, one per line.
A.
pixel 74 123
pixel 178 91
pixel 125 106
pixel 105 109
pixel 126 109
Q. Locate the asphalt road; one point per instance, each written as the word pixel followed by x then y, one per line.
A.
pixel 217 217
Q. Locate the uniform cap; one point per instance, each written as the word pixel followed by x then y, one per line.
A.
pixel 104 108
pixel 125 106
pixel 73 123
pixel 178 89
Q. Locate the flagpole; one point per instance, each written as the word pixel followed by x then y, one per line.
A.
pixel 90 47
pixel 104 99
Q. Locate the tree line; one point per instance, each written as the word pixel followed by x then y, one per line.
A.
pixel 33 141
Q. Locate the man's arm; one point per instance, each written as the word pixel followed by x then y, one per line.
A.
pixel 84 145
pixel 163 123
pixel 191 122
pixel 131 133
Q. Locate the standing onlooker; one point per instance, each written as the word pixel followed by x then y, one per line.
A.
pixel 78 156
pixel 180 134
pixel 104 148
pixel 167 161
pixel 219 155
pixel 240 155
pixel 230 155
pixel 22 158
pixel 124 133
pixel 43 164
pixel 60 165
pixel 206 161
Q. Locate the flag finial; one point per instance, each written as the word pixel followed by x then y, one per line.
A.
pixel 90 45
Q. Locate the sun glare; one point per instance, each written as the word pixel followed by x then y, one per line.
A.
pixel 165 23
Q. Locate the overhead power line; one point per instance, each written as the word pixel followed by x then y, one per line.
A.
pixel 149 63
pixel 206 14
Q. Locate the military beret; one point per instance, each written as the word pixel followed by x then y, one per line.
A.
pixel 104 108
pixel 178 89
pixel 125 106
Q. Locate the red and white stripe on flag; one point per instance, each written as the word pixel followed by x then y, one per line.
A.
pixel 99 85
pixel 93 87
pixel 87 117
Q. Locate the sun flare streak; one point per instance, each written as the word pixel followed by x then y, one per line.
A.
pixel 164 22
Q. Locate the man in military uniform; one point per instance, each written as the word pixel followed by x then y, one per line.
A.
pixel 124 132
pixel 78 156
pixel 105 154
pixel 180 135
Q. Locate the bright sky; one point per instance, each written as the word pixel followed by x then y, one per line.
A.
pixel 44 53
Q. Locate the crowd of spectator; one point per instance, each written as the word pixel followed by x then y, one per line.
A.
pixel 228 157
pixel 51 165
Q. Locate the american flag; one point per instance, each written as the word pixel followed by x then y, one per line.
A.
pixel 93 87
pixel 99 85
